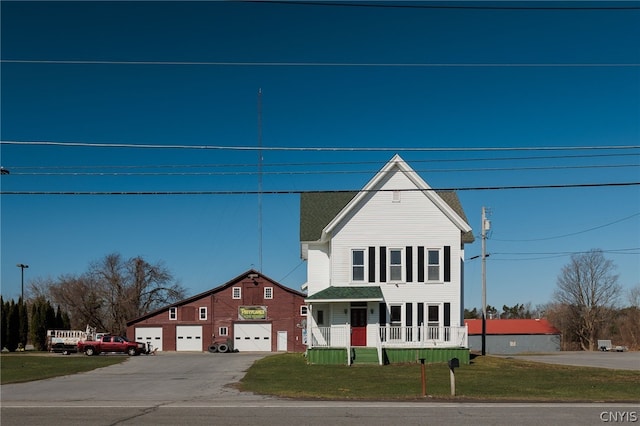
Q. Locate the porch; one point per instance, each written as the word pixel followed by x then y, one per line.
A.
pixel 392 344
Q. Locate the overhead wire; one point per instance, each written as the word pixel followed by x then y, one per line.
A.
pixel 321 148
pixel 281 192
pixel 319 172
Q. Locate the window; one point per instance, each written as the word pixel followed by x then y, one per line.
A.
pixel 433 265
pixel 223 331
pixel 203 313
pixel 173 314
pixel 268 292
pixel 357 262
pixel 396 197
pixel 396 315
pixel 395 265
pixel 320 317
pixel 237 292
pixel 303 310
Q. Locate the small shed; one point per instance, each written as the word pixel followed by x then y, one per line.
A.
pixel 514 336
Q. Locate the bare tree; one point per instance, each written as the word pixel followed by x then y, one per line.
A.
pixel 588 286
pixel 114 291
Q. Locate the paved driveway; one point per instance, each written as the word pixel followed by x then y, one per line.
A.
pixel 165 378
pixel 612 360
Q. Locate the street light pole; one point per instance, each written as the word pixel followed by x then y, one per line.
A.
pixel 22 266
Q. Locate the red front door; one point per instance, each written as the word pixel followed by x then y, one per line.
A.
pixel 358 326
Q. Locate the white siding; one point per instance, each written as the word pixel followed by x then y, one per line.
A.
pixel 317 268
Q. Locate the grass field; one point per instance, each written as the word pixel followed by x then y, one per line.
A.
pixel 288 375
pixel 486 378
pixel 26 367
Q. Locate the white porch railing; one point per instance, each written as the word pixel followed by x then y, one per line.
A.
pixel 339 336
pixel 423 336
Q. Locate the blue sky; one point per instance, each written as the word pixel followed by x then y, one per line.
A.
pixel 580 88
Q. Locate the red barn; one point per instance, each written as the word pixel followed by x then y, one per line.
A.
pixel 251 312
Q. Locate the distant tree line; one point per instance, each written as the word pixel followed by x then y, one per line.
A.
pixel 586 306
pixel 113 291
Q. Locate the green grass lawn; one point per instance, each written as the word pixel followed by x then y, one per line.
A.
pixel 26 367
pixel 486 378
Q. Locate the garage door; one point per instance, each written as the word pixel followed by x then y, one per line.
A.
pixel 189 338
pixel 152 335
pixel 252 337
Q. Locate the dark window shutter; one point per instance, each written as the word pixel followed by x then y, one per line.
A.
pixel 447 264
pixel 409 314
pixel 409 265
pixel 383 264
pixel 420 264
pixel 383 314
pixel 447 314
pixel 372 264
pixel 420 313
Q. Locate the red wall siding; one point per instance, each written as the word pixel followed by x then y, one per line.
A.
pixel 283 312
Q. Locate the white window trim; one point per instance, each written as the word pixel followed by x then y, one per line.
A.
pixel 401 265
pixel 203 309
pixel 268 290
pixel 304 310
pixel 237 290
pixel 440 266
pixel 223 331
pixel 173 314
pixel 364 265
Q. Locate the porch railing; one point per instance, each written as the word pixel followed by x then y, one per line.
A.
pixel 424 336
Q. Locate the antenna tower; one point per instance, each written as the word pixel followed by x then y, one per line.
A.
pixel 260 180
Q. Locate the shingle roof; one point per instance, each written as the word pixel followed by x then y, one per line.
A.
pixel 370 293
pixel 511 326
pixel 317 209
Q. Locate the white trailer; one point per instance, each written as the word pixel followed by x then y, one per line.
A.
pixel 66 341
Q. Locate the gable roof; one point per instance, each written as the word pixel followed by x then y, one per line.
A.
pixel 320 212
pixel 511 326
pixel 229 283
pixel 362 294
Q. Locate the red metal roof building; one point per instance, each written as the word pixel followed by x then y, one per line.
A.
pixel 510 336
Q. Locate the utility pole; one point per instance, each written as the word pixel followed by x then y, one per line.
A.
pixel 485 227
pixel 22 266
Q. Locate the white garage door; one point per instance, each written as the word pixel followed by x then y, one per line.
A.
pixel 252 337
pixel 152 335
pixel 189 338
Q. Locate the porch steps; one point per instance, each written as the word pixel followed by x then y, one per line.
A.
pixel 364 356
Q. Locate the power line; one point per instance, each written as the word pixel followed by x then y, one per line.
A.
pixel 422 5
pixel 319 172
pixel 321 163
pixel 325 64
pixel 285 192
pixel 571 234
pixel 319 149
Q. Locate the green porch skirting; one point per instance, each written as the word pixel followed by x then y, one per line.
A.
pixel 400 356
pixel 328 356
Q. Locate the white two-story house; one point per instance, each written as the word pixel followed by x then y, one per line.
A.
pixel 385 271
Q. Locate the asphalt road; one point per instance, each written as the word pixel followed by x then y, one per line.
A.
pixel 196 389
pixel 611 360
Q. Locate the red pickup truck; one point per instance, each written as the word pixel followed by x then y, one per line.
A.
pixel 108 343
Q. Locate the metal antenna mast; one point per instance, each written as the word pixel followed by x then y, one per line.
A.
pixel 260 180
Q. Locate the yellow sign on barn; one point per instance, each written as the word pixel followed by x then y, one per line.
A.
pixel 252 312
